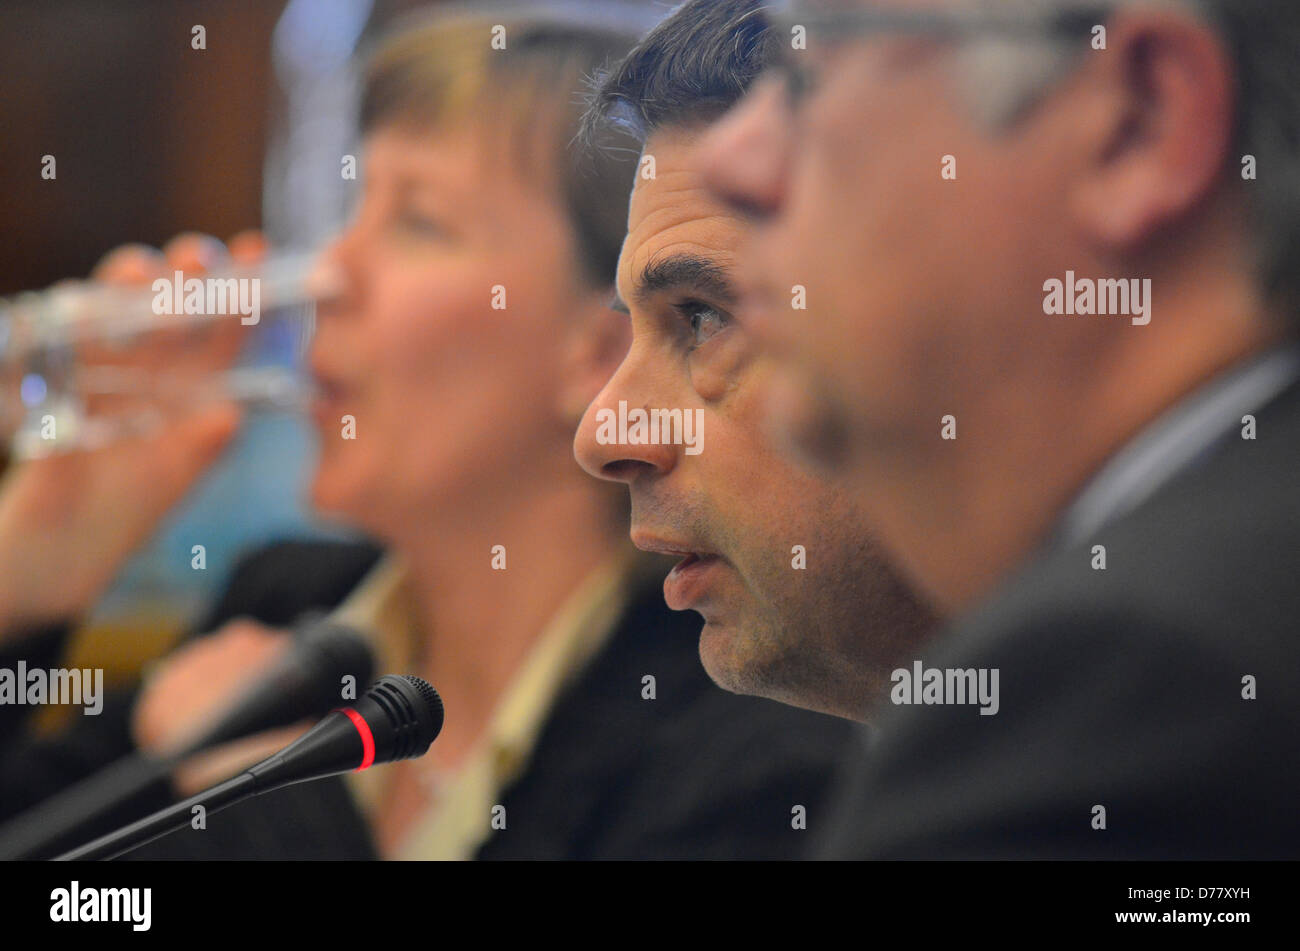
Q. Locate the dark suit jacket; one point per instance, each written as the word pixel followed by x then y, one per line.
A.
pixel 1120 688
pixel 695 773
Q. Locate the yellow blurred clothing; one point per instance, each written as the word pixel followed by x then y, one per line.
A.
pixel 455 807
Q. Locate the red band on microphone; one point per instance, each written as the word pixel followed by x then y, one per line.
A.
pixel 367 738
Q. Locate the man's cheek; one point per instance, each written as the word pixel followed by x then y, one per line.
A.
pixel 708 382
pixel 790 418
pixel 721 372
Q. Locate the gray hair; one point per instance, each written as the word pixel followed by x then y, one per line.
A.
pixel 1003 77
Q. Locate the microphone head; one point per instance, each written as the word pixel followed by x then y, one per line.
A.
pixel 327 651
pixel 414 714
pixel 432 703
pixel 403 715
pixel 305 682
pixel 398 718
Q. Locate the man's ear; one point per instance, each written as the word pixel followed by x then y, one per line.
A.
pixel 598 340
pixel 1157 113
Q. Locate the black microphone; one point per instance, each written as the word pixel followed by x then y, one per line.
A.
pixel 304 682
pixel 398 718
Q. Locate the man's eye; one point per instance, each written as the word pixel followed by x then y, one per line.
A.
pixel 703 320
pixel 417 224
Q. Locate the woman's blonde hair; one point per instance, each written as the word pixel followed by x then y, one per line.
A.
pixel 527 78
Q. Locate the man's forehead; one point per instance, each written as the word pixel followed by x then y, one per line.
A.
pixel 672 214
pixel 702 268
pixel 673 259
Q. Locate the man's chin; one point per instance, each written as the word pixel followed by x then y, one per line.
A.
pixel 742 663
pixel 734 659
pixel 722 660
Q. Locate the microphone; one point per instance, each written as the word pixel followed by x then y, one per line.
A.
pixel 304 682
pixel 398 718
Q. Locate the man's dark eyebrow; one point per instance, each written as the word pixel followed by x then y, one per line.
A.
pixel 685 271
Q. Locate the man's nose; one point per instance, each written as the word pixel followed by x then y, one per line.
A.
pixel 596 445
pixel 745 155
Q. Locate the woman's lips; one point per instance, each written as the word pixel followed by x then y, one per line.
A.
pixel 689 580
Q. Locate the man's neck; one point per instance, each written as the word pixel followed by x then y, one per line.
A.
pixel 965 522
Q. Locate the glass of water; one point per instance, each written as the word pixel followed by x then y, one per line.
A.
pixel 85 363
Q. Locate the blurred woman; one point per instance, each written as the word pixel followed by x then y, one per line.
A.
pixel 472 331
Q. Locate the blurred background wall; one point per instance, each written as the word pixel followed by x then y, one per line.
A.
pixel 150 136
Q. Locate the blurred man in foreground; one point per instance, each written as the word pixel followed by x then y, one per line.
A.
pixel 1052 253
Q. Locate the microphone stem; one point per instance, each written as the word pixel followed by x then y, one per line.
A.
pixel 168 820
pixel 62 820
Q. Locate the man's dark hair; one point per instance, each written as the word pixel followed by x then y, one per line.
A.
pixel 689 70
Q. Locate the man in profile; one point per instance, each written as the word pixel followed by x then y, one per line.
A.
pixel 1052 262
pixel 798 602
